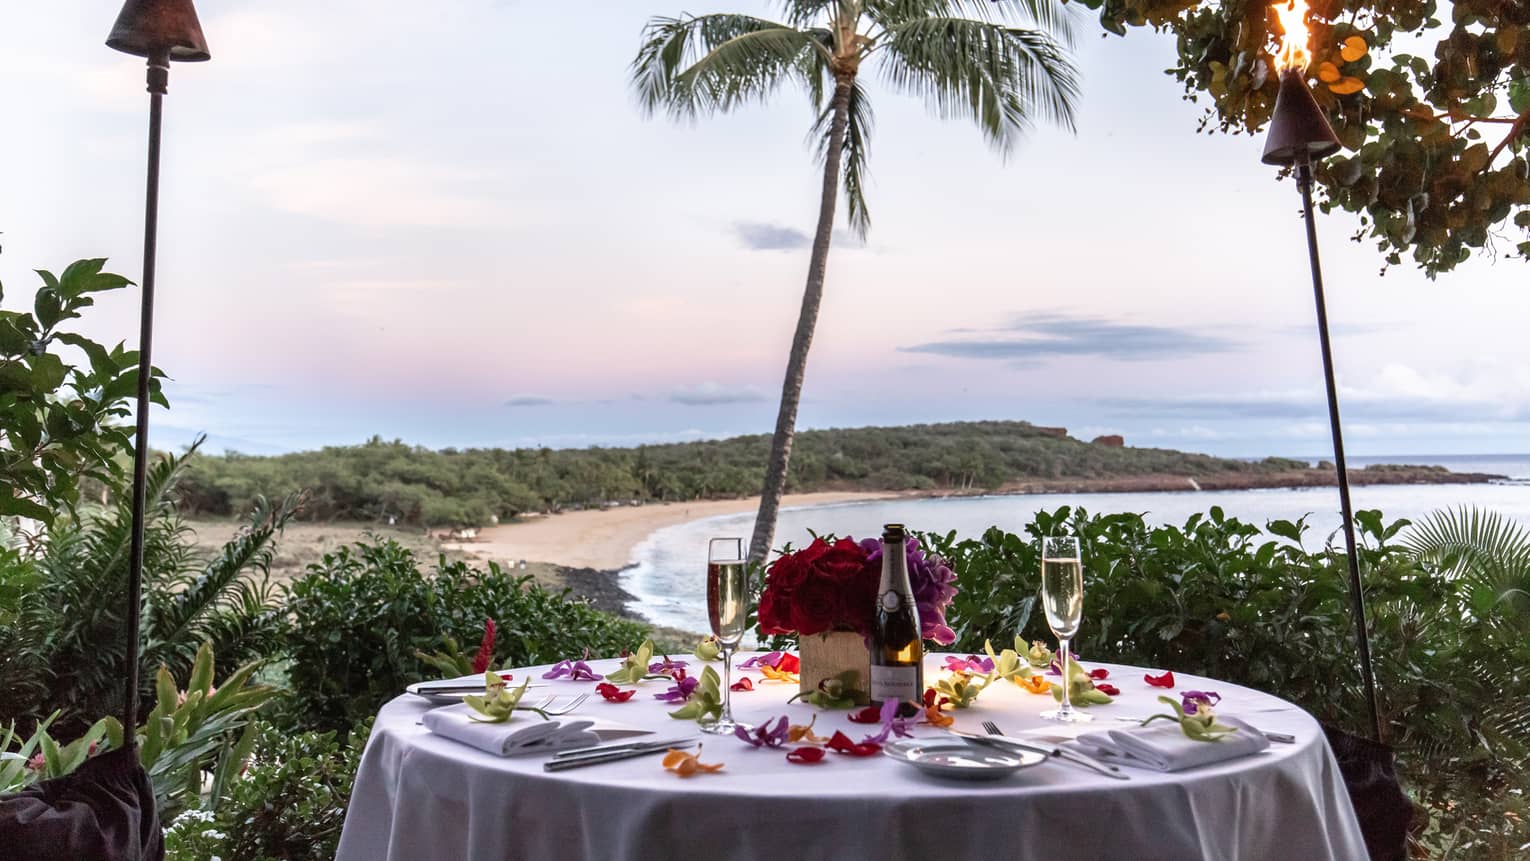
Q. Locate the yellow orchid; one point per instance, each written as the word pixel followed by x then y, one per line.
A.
pixel 798 733
pixel 1035 684
pixel 776 675
pixel 688 764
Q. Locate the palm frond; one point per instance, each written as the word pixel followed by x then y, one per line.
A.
pixel 1053 16
pixel 853 170
pixel 802 12
pixel 696 65
pixel 1002 78
pixel 1490 552
pixel 223 604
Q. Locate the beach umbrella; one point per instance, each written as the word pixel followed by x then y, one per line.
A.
pixel 105 809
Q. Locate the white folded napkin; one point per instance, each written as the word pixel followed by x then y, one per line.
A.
pixel 521 736
pixel 1163 746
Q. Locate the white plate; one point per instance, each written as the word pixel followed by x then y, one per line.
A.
pixel 961 760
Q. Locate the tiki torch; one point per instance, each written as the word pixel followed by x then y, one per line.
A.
pixel 161 31
pixel 1299 134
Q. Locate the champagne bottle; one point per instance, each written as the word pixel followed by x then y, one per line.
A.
pixel 897 650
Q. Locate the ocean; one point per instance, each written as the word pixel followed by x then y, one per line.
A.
pixel 671 563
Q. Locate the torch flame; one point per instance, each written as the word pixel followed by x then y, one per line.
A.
pixel 1293 45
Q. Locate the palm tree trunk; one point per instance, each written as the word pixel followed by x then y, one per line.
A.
pixel 807 320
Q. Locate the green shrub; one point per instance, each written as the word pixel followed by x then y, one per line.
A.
pixel 359 616
pixel 289 806
pixel 1450 634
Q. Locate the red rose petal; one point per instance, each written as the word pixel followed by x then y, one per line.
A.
pixel 869 714
pixel 929 697
pixel 789 663
pixel 805 755
pixel 614 694
pixel 743 684
pixel 1099 673
pixel 1108 689
pixel 1164 681
pixel 841 743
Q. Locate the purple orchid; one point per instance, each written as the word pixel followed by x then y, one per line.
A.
pixel 1056 668
pixel 934 586
pixel 574 671
pixel 667 667
pixel 970 664
pixel 765 735
pixel 1193 701
pixel 769 659
pixel 680 691
pixel 891 724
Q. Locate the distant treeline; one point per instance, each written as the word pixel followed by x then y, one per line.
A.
pixel 382 481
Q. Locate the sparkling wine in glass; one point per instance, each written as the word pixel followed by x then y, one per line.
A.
pixel 727 609
pixel 1062 597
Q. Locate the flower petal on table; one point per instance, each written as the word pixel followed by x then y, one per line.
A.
pixel 1162 681
pixel 805 755
pixel 614 694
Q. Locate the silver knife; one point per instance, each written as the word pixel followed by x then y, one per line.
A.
pixel 458 689
pixel 624 745
pixel 1073 756
pixel 599 758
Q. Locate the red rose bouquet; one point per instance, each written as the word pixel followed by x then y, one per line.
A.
pixel 825 586
pixel 831 585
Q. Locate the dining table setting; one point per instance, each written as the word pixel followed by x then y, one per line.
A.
pixel 1017 752
pixel 424 794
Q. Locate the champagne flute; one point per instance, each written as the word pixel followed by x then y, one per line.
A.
pixel 727 609
pixel 1062 596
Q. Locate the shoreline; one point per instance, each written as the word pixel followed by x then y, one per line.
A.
pixel 603 540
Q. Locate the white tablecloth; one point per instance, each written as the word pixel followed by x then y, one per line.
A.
pixel 420 797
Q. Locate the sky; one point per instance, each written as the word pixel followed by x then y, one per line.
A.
pixel 451 224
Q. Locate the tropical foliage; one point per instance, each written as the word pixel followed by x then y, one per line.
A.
pixel 190 733
pixel 1219 597
pixel 289 805
pixel 1431 103
pixel 962 57
pixel 58 422
pixel 66 644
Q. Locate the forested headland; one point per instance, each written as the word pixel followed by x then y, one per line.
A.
pixel 386 482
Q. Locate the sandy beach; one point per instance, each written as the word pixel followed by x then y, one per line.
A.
pixel 604 539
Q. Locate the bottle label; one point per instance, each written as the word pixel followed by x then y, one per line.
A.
pixel 891 600
pixel 895 683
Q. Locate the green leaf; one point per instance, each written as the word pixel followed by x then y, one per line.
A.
pixel 16 506
pixel 1519 92
pixel 77 278
pixel 47 373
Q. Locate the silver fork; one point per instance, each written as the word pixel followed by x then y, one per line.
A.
pixel 1061 753
pixel 548 709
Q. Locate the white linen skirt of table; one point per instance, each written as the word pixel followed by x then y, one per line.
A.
pixel 420 797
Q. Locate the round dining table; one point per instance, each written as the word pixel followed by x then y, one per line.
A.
pixel 423 797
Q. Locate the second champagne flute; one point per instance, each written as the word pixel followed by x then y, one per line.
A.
pixel 727 609
pixel 1062 596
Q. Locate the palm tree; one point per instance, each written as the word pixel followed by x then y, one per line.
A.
pixel 960 56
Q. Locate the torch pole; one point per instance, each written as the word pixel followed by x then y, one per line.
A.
pixel 1303 168
pixel 159 78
